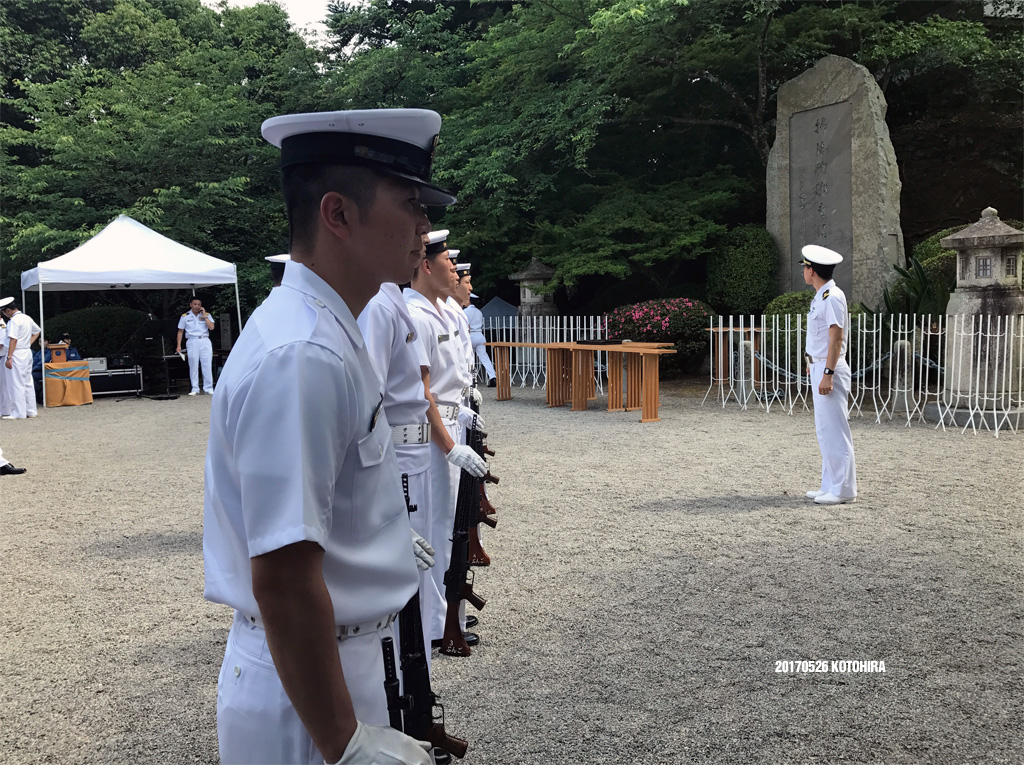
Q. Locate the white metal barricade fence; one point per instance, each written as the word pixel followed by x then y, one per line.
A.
pixel 530 363
pixel 961 371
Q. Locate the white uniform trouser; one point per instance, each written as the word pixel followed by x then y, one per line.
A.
pixel 20 388
pixel 5 396
pixel 200 351
pixel 2 460
pixel 443 476
pixel 479 345
pixel 419 495
pixel 256 722
pixel 832 424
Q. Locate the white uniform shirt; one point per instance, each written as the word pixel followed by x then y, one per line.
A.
pixel 393 344
pixel 462 334
pixel 300 450
pixel 438 337
pixel 194 325
pixel 21 327
pixel 828 307
pixel 3 334
pixel 475 317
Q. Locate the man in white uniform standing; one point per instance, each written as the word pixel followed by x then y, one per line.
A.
pixel 310 541
pixel 827 325
pixel 22 331
pixel 5 399
pixel 196 324
pixel 476 324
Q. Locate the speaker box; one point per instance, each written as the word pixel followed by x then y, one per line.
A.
pixel 120 361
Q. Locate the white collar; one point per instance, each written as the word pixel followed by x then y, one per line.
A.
pixel 303 279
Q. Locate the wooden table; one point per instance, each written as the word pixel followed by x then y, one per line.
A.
pixel 570 374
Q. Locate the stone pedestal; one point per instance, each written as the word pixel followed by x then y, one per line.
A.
pixel 534 303
pixel 832 179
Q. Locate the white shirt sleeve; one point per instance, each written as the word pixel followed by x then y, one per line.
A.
pixel 378 329
pixel 835 312
pixel 210 317
pixel 292 429
pixel 181 323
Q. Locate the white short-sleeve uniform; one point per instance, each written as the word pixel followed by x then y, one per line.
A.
pixel 300 450
pixel 5 397
pixel 20 388
pixel 200 350
pixel 437 333
pixel 831 412
pixel 397 354
pixel 465 343
pixel 476 335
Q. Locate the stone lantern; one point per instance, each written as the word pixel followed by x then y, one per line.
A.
pixel 985 318
pixel 530 302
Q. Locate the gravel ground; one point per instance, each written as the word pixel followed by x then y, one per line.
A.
pixel 646 580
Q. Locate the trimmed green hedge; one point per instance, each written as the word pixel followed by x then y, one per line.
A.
pixel 741 272
pixel 97 331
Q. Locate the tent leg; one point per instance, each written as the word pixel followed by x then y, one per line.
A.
pixel 238 304
pixel 42 337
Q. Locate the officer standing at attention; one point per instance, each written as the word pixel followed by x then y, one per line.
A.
pixel 196 324
pixel 465 345
pixel 475 318
pixel 5 399
pixel 22 331
pixel 827 324
pixel 309 542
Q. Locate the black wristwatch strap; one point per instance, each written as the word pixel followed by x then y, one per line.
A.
pixel 829 371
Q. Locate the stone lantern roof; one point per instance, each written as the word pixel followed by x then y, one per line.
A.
pixel 987 232
pixel 535 272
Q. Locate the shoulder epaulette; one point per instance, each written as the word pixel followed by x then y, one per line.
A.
pixel 824 294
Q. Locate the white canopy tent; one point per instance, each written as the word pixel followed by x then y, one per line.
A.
pixel 127 255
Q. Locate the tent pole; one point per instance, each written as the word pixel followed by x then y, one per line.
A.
pixel 42 337
pixel 238 302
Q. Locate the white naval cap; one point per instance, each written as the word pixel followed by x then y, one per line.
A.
pixel 473 295
pixel 814 254
pixel 6 301
pixel 462 268
pixel 285 258
pixel 453 255
pixel 399 142
pixel 437 242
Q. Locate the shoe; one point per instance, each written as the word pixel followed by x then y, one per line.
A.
pixel 492 383
pixel 193 393
pixel 441 757
pixel 208 392
pixel 471 638
pixel 8 417
pixel 30 416
pixel 832 499
pixel 814 494
pixel 9 469
pixel 471 621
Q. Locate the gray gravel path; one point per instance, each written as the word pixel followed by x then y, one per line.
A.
pixel 646 580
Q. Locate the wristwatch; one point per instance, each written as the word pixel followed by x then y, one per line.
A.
pixel 829 371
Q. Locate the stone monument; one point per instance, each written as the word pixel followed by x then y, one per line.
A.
pixel 532 303
pixel 985 318
pixel 832 179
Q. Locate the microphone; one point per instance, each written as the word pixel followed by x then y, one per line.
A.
pixel 151 317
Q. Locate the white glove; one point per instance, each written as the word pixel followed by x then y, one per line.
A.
pixel 373 745
pixel 423 551
pixel 470 419
pixel 475 396
pixel 463 457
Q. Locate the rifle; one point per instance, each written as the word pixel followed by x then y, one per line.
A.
pixel 477 556
pixel 458 579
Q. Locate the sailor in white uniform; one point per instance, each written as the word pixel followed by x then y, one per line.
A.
pixel 828 324
pixel 309 541
pixel 431 285
pixel 475 318
pixel 5 399
pixel 195 324
pixel 22 331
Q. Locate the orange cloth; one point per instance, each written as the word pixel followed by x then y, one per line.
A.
pixel 67 383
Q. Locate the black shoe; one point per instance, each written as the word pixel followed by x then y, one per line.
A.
pixel 9 469
pixel 471 621
pixel 492 383
pixel 441 757
pixel 472 638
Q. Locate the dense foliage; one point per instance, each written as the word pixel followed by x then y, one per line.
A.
pixel 741 271
pixel 616 140
pixel 680 321
pixel 97 331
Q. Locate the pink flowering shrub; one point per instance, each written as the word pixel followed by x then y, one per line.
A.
pixel 682 321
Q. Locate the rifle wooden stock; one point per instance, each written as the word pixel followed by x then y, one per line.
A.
pixel 485 503
pixel 488 452
pixel 485 518
pixel 453 643
pixel 477 556
pixel 440 739
pixel 490 478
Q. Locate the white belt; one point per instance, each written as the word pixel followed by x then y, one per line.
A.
pixel 411 434
pixel 344 631
pixel 448 412
pixel 815 359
